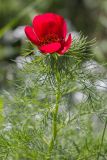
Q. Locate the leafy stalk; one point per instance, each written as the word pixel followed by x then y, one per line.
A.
pixel 102 139
pixel 55 113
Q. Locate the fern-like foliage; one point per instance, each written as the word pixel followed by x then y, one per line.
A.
pixel 29 111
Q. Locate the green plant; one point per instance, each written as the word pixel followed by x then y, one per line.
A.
pixel 43 119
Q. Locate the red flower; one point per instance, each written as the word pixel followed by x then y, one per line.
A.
pixel 49 33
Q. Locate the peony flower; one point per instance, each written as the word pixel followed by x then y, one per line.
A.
pixel 49 33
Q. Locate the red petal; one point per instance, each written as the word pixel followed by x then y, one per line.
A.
pixel 31 35
pixel 50 48
pixel 49 23
pixel 66 45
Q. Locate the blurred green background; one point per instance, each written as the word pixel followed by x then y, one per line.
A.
pixel 27 107
pixel 87 16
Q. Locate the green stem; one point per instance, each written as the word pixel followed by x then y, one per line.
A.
pixel 102 139
pixel 55 113
pixel 55 117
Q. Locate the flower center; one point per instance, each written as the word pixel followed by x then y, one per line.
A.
pixel 52 37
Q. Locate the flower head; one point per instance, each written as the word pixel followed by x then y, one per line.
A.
pixel 48 33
